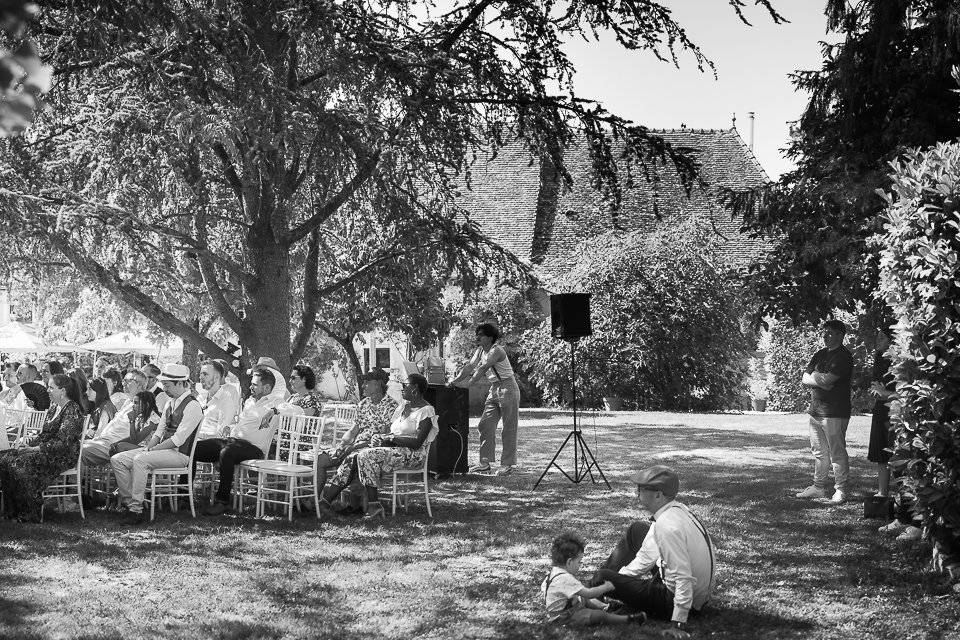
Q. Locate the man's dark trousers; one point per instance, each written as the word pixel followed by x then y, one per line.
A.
pixel 229 453
pixel 647 594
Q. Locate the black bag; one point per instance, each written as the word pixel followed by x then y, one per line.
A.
pixel 878 507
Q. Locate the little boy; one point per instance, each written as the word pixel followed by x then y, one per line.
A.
pixel 567 600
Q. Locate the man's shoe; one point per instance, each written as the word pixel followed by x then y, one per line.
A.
pixel 839 497
pixel 483 467
pixel 215 509
pixel 811 492
pixel 637 618
pixel 910 533
pixel 894 527
pixel 505 470
pixel 135 518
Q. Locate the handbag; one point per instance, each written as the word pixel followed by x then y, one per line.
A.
pixel 878 507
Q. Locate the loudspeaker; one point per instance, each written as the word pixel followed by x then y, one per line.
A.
pixel 448 455
pixel 570 315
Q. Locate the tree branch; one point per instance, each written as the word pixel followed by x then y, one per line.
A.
pixel 356 274
pixel 346 344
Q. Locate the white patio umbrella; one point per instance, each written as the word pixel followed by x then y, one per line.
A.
pixel 16 337
pixel 136 342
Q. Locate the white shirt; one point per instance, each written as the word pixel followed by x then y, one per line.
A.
pixel 18 401
pixel 558 588
pixel 408 426
pixel 219 412
pixel 248 422
pixel 280 386
pixel 192 415
pixel 118 428
pixel 676 544
pixel 499 370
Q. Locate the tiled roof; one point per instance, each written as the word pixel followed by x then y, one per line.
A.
pixel 508 191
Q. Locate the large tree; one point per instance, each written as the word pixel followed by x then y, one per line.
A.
pixel 222 139
pixel 884 87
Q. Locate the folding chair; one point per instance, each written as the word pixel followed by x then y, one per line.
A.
pixel 165 483
pixel 341 418
pixel 414 481
pixel 28 424
pixel 280 481
pixel 69 482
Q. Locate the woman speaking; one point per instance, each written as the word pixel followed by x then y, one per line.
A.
pixel 503 400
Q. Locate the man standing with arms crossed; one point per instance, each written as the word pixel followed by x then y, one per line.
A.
pixel 828 377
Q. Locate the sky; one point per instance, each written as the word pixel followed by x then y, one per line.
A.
pixel 752 65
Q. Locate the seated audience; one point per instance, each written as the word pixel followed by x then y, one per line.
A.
pixel 303 384
pixel 374 414
pixel 98 450
pixel 114 380
pixel 280 390
pixel 144 418
pixel 82 383
pixel 413 426
pixel 151 371
pixel 102 409
pixel 250 437
pixel 100 366
pixel 665 568
pixel 566 600
pixel 220 406
pixel 25 473
pixel 169 446
pixel 36 393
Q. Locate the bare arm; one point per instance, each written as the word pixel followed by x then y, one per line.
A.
pixel 411 442
pixel 821 380
pixel 595 592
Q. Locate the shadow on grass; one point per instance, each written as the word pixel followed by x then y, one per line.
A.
pixel 14 612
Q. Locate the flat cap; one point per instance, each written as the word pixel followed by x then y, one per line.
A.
pixel 658 478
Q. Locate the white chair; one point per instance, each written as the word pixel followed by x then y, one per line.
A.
pixel 69 482
pixel 165 483
pixel 280 481
pixel 28 424
pixel 341 418
pixel 410 482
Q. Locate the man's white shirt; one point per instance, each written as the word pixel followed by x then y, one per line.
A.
pixel 118 428
pixel 676 544
pixel 192 416
pixel 219 412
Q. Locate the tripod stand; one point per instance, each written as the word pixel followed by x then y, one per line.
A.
pixel 581 452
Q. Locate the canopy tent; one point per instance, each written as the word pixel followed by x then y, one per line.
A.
pixel 135 342
pixel 16 337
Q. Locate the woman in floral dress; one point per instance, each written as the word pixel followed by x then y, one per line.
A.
pixel 413 427
pixel 25 473
pixel 303 384
pixel 374 413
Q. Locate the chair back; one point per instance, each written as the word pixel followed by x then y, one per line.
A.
pixel 83 430
pixel 29 421
pixel 341 417
pixel 288 433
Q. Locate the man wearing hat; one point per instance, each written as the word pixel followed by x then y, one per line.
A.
pixel 664 568
pixel 169 446
pixel 280 391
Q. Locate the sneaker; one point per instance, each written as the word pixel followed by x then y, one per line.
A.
pixel 637 618
pixel 215 509
pixel 910 533
pixel 839 497
pixel 483 467
pixel 811 492
pixel 505 470
pixel 893 527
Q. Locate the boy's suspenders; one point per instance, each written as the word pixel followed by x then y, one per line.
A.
pixel 493 367
pixel 546 589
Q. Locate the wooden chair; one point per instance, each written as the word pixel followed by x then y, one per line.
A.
pixel 413 481
pixel 165 483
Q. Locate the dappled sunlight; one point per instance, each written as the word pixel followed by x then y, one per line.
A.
pixel 787 568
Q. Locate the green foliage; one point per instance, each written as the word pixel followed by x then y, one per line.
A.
pixel 790 349
pixel 884 87
pixel 920 281
pixel 511 310
pixel 23 76
pixel 667 330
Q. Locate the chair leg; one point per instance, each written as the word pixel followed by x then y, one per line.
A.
pixel 393 496
pixel 80 499
pixel 290 485
pixel 426 492
pixel 153 495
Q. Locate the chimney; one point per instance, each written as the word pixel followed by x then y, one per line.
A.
pixel 4 305
pixel 751 129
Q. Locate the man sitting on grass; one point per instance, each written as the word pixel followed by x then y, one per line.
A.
pixel 664 568
pixel 566 599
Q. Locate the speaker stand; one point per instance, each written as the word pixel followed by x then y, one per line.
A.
pixel 583 461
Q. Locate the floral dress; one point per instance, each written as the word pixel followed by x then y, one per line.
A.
pixel 26 473
pixel 308 400
pixel 373 419
pixel 373 462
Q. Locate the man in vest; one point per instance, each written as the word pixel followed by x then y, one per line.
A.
pixel 152 371
pixel 170 446
pixel 664 568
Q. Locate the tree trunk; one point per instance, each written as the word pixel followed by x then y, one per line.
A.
pixel 191 352
pixel 267 316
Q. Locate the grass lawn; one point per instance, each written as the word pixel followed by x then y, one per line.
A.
pixel 788 568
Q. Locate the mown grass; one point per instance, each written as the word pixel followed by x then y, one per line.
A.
pixel 789 569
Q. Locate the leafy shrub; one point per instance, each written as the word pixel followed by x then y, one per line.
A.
pixel 920 281
pixel 789 352
pixel 667 331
